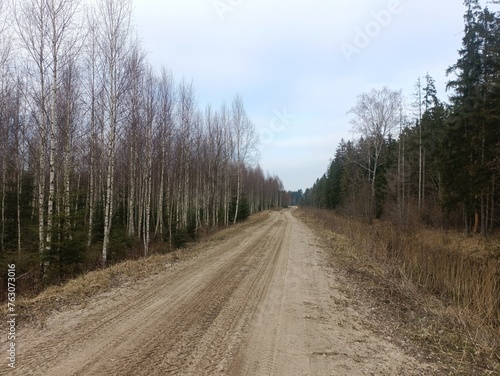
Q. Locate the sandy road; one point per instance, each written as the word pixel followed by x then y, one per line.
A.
pixel 261 303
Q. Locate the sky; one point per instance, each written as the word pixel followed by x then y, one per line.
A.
pixel 299 65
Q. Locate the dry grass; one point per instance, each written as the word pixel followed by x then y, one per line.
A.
pixel 460 270
pixel 440 290
pixel 76 292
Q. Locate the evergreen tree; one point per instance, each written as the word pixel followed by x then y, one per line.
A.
pixel 334 177
pixel 463 155
pixel 433 126
pixel 472 133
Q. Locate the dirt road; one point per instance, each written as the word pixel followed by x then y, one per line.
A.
pixel 263 302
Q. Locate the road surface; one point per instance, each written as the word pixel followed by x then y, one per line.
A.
pixel 263 302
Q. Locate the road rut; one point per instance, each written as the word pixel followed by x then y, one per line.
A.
pixel 263 302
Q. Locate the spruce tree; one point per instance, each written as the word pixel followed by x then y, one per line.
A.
pixel 463 155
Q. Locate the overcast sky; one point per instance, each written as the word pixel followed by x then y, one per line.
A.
pixel 300 64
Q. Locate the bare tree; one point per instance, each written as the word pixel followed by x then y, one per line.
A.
pixel 150 103
pixel 92 73
pixel 227 150
pixel 60 41
pixel 92 132
pixel 70 107
pixel 245 142
pixel 165 129
pixel 135 118
pixel 186 108
pixel 5 73
pixel 114 48
pixel 45 32
pixel 218 158
pixel 18 113
pixel 32 27
pixel 376 116
pixel 418 95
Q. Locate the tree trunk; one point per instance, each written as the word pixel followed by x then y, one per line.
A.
pixel 66 176
pixel 52 150
pixel 19 193
pixel 131 199
pixel 109 201
pixel 115 16
pixel 91 178
pixel 108 211
pixel 238 184
pixel 492 211
pixel 41 200
pixel 170 217
pixel 159 219
pixel 149 173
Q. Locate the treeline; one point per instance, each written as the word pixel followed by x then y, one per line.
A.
pixel 100 153
pixel 430 162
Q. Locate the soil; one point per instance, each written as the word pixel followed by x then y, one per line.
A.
pixel 266 301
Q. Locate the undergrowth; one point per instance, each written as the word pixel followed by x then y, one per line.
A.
pixel 438 290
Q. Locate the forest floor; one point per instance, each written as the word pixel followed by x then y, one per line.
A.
pixel 265 297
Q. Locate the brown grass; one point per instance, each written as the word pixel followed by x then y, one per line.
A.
pixel 461 270
pixel 441 289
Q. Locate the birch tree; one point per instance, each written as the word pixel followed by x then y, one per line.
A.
pixel 185 114
pixel 60 41
pixel 150 97
pixel 245 142
pixel 135 114
pixel 114 48
pixel 376 116
pixel 165 130
pixel 91 89
pixel 5 73
pixel 70 106
pixel 32 26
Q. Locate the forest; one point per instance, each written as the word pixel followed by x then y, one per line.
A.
pixel 421 160
pixel 102 156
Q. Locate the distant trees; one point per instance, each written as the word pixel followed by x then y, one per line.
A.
pixel 103 157
pixel 435 163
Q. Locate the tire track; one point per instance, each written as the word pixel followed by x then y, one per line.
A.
pixel 186 336
pixel 156 328
pixel 260 303
pixel 231 325
pixel 263 349
pixel 303 331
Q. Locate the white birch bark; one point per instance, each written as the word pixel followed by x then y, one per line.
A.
pixel 114 47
